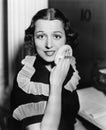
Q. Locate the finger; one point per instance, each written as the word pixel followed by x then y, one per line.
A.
pixel 67 54
pixel 66 64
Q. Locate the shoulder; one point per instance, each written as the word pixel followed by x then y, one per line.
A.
pixel 28 60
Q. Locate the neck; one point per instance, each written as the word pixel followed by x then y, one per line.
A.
pixel 48 65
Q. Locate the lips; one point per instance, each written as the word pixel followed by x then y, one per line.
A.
pixel 49 53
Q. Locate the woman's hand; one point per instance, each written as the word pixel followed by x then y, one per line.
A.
pixel 59 72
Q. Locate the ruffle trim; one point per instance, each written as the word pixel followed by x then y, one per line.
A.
pixel 69 86
pixel 29 60
pixel 24 76
pixel 72 83
pixel 30 87
pixel 28 110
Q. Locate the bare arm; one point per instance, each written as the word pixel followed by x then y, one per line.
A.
pixel 52 113
pixel 53 110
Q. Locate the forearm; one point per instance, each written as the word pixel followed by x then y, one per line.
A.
pixel 52 115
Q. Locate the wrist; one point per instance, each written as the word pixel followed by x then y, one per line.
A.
pixel 55 89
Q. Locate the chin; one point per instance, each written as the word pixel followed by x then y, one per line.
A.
pixel 49 59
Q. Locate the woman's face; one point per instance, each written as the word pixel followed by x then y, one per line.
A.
pixel 49 36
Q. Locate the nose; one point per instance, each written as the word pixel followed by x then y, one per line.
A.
pixel 49 43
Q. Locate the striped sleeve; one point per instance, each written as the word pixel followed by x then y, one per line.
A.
pixel 28 98
pixel 27 108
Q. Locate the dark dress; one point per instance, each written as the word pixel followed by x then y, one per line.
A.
pixel 31 91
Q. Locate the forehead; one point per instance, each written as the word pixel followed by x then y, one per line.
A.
pixel 49 25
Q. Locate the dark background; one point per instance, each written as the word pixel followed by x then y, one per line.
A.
pixel 88 18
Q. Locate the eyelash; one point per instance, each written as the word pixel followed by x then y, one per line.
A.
pixel 57 36
pixel 42 36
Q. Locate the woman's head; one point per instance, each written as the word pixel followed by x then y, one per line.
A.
pixel 50 20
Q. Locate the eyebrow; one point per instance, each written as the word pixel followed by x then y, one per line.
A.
pixel 39 32
pixel 44 32
pixel 58 32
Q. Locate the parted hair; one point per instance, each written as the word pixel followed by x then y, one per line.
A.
pixel 48 14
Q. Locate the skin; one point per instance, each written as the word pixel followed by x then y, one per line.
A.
pixel 49 37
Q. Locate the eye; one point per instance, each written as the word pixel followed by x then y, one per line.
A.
pixel 57 36
pixel 40 36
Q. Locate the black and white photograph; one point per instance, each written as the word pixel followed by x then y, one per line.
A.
pixel 52 65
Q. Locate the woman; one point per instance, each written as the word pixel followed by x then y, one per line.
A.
pixel 39 99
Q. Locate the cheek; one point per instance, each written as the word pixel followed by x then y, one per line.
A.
pixel 38 44
pixel 61 42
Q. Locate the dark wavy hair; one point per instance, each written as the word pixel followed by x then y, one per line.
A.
pixel 48 14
